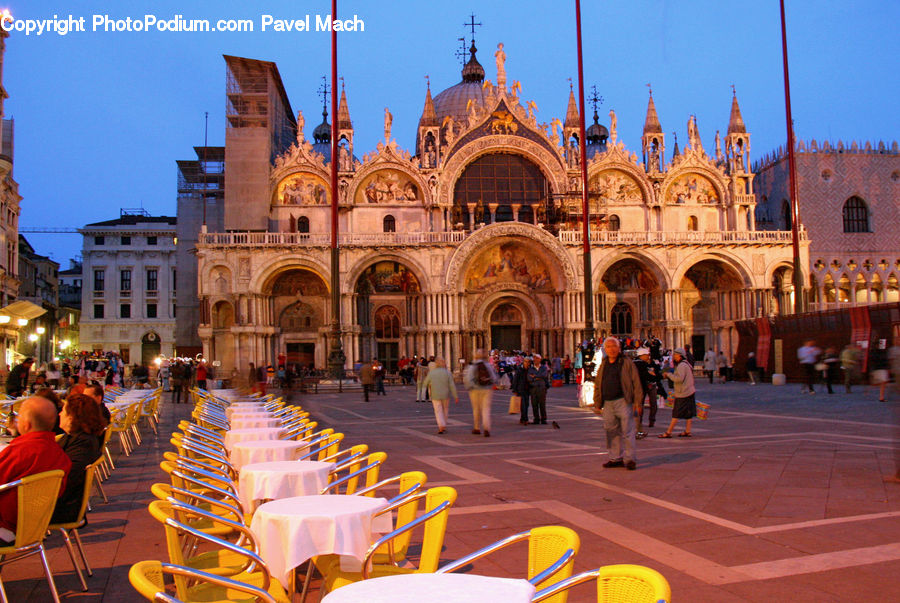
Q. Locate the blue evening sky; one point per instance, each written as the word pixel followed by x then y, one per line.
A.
pixel 101 118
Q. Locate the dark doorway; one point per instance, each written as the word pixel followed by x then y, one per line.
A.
pixel 389 355
pixel 303 354
pixel 150 348
pixel 506 337
pixel 698 346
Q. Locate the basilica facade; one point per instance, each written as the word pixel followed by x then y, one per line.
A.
pixel 473 238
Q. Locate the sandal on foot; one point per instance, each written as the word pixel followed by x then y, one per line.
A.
pixel 685 435
pixel 665 435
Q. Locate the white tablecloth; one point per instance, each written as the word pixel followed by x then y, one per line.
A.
pixel 120 406
pixel 281 479
pixel 233 436
pixel 446 588
pixel 291 530
pixel 248 408
pixel 254 422
pixel 262 451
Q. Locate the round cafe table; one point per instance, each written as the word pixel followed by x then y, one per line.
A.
pixel 255 408
pixel 291 530
pixel 262 451
pixel 446 588
pixel 240 422
pixel 281 479
pixel 233 436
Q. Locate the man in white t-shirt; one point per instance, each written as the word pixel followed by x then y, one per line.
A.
pixel 809 355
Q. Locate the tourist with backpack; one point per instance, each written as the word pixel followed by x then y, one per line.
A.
pixel 480 379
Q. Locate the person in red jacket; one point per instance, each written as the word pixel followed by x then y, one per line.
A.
pixel 34 451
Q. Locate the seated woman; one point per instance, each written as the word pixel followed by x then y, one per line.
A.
pixel 82 422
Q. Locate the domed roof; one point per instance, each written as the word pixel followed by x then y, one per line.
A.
pixel 596 132
pixel 454 100
pixel 322 133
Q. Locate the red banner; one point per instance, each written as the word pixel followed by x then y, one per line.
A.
pixel 763 342
pixel 861 332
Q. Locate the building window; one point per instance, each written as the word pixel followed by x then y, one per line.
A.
pixel 501 178
pixel 613 222
pixel 692 223
pixel 125 281
pixel 126 240
pixel 99 241
pixel 98 310
pixel 390 225
pixel 786 215
pixel 124 310
pixel 173 310
pixel 152 284
pixel 99 280
pixel 620 319
pixel 151 240
pixel 856 215
pixel 151 310
pixel 303 224
pixel 174 280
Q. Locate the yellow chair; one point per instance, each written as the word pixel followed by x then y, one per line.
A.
pixel 551 556
pixel 179 534
pixel 80 522
pixel 147 578
pixel 220 562
pixel 617 583
pixel 350 481
pixel 438 501
pixel 37 495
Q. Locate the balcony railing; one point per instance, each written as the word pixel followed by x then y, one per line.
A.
pixel 292 239
pixel 691 237
pixel 388 239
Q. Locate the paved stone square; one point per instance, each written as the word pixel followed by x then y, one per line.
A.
pixel 779 494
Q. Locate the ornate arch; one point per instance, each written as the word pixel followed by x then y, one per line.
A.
pixel 481 307
pixel 616 159
pixel 777 265
pixel 210 283
pixel 610 259
pixel 387 161
pixel 265 273
pixel 737 264
pixel 692 164
pixel 550 164
pixel 413 265
pixel 473 244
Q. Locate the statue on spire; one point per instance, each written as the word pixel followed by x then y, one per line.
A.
pixel 501 69
pixel 694 135
pixel 718 147
pixel 612 127
pixel 300 123
pixel 388 120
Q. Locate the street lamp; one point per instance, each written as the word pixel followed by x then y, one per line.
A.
pixel 41 330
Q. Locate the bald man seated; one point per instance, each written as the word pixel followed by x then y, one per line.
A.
pixel 34 451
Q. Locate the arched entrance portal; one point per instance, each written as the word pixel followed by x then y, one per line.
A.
pixel 299 307
pixel 706 288
pixel 150 348
pixel 506 327
pixel 223 338
pixel 387 311
pixel 629 292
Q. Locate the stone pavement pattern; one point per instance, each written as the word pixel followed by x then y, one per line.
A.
pixel 778 495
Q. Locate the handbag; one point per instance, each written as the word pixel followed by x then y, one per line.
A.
pixel 515 404
pixel 821 366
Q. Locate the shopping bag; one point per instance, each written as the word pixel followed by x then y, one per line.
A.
pixel 503 382
pixel 515 404
pixel 670 400
pixel 702 411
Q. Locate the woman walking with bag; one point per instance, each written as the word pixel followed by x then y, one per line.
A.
pixel 439 383
pixel 682 378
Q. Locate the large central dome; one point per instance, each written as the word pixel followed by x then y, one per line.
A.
pixel 454 100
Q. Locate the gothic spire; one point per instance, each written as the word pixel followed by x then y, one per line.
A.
pixel 572 120
pixel 429 117
pixel 651 123
pixel 344 122
pixel 735 122
pixel 675 151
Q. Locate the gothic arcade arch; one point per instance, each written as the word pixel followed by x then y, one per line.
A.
pixel 524 234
